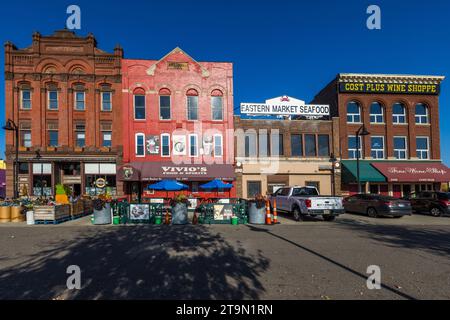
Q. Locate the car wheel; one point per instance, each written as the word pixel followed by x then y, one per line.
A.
pixel 329 218
pixel 371 212
pixel 436 212
pixel 296 213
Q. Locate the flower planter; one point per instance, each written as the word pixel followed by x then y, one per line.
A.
pixel 180 213
pixel 16 214
pixel 256 215
pixel 56 213
pixel 103 216
pixel 5 214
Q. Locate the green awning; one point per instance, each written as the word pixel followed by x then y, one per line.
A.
pixel 367 173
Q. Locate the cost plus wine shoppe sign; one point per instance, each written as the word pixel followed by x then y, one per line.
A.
pixel 389 88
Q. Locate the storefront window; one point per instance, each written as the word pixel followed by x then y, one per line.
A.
pixel 422 147
pixel 310 145
pixel 353 112
pixel 377 147
pixel 71 169
pixel 139 107
pixel 376 113
pixel 353 147
pixel 253 188
pixel 324 145
pixel 398 113
pixel 400 147
pixel 42 184
pixel 93 190
pixel 421 113
pixel 296 145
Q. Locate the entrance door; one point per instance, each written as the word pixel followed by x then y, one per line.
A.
pixel 397 190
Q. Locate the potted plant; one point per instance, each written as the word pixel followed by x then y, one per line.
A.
pixel 61 194
pixel 102 209
pixel 180 204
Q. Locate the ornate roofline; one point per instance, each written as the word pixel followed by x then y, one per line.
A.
pixel 389 78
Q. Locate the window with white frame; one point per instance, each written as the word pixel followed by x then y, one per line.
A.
pixel 139 107
pixel 25 99
pixel 164 107
pixel 353 112
pixel 106 101
pixel 192 107
pixel 400 148
pixel 376 113
pixel 193 145
pixel 52 100
pixel 140 144
pixel 377 147
pixel 398 113
pixel 80 100
pixel 422 147
pixel 421 113
pixel 353 147
pixel 165 145
pixel 218 147
pixel 217 108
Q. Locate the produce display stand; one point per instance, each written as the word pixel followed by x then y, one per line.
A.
pixel 51 214
pixel 211 213
pixel 81 208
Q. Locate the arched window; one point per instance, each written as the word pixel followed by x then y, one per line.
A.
pixel 164 104
pixel 421 113
pixel 217 105
pixel 398 113
pixel 353 112
pixel 139 104
pixel 50 69
pixel 78 70
pixel 192 104
pixel 376 113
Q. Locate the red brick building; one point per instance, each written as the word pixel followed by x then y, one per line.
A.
pixel 64 94
pixel 177 123
pixel 401 153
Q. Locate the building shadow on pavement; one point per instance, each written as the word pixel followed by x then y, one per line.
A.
pixel 139 262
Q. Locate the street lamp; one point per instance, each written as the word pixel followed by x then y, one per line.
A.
pixel 362 131
pixel 333 161
pixel 11 126
pixel 38 158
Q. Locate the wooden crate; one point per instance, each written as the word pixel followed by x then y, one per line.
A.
pixel 77 208
pixel 55 213
pixel 88 206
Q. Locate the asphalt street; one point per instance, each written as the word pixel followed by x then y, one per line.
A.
pixel 293 260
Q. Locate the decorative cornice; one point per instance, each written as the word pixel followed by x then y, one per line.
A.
pixel 389 78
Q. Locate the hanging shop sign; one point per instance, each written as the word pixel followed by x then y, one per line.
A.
pixel 152 143
pixel 285 106
pixel 389 88
pixel 100 183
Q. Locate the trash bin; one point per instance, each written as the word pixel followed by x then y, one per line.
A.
pixel 256 215
pixel 116 220
pixel 158 219
pixel 234 220
pixel 30 217
pixel 180 214
pixel 103 216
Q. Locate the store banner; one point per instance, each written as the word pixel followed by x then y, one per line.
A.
pixel 413 172
pixel 179 145
pixel 152 144
pixel 389 88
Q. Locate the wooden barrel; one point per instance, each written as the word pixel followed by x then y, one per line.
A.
pixel 5 214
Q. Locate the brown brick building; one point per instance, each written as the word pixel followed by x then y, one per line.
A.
pixel 64 95
pixel 401 112
pixel 271 153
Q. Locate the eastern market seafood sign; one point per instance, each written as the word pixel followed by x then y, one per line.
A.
pixel 285 106
pixel 389 88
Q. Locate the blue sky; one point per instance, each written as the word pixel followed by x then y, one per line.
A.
pixel 278 47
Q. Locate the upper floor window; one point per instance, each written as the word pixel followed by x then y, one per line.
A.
pixel 164 104
pixel 377 147
pixel 422 147
pixel 80 100
pixel 80 134
pixel 398 113
pixel 106 133
pixel 165 145
pixel 276 145
pixel 52 134
pixel 310 145
pixel 140 141
pixel 218 145
pixel 193 145
pixel 354 147
pixel 53 99
pixel 25 99
pixel 25 134
pixel 106 100
pixel 353 112
pixel 296 145
pixel 376 113
pixel 217 105
pixel 139 105
pixel 324 145
pixel 421 113
pixel 192 104
pixel 400 150
pixel 251 145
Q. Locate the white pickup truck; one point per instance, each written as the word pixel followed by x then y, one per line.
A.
pixel 306 201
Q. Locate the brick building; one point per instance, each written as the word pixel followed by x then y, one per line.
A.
pixel 272 153
pixel 177 124
pixel 64 94
pixel 401 153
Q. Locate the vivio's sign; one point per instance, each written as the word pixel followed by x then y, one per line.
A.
pixel 389 88
pixel 285 106
pixel 175 171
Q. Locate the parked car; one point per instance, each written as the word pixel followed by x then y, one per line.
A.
pixel 431 202
pixel 306 201
pixel 375 205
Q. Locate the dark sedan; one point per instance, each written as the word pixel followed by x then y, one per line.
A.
pixel 431 202
pixel 375 205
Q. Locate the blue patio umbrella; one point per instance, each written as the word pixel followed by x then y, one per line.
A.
pixel 216 184
pixel 168 185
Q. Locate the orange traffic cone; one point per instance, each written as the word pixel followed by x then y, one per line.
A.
pixel 275 214
pixel 268 216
